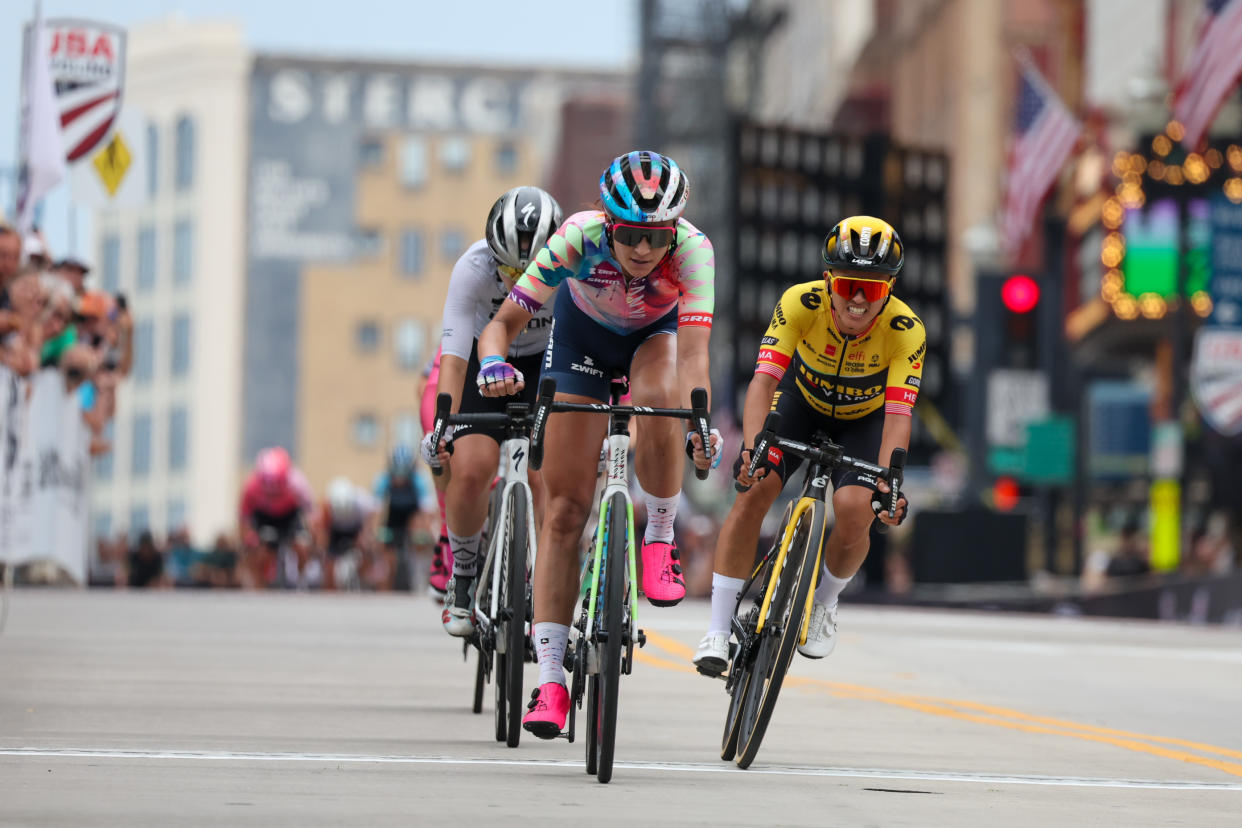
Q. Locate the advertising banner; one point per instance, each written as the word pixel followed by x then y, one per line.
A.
pixel 87 61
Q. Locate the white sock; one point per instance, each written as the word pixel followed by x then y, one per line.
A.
pixel 465 552
pixel 550 641
pixel 725 592
pixel 829 588
pixel 661 513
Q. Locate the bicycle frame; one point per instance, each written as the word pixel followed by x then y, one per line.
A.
pixel 618 483
pixel 514 460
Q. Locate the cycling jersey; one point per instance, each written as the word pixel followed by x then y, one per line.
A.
pixel 294 498
pixel 845 377
pixel 475 293
pixel 579 252
pixel 404 498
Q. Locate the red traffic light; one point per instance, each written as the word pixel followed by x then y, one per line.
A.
pixel 1020 293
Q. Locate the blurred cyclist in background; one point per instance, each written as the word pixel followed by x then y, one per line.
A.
pixel 345 531
pixel 275 501
pixel 519 224
pixel 408 504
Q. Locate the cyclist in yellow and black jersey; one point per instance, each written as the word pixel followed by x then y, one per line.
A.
pixel 844 357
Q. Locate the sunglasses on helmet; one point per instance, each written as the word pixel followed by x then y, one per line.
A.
pixel 632 235
pixel 873 290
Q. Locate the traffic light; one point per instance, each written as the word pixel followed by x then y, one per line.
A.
pixel 1007 321
pixel 1019 295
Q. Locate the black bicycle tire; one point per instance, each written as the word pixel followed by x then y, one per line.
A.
pixel 791 629
pixel 480 679
pixel 728 743
pixel 610 663
pixel 515 601
pixel 592 716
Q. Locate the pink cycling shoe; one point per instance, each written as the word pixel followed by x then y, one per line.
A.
pixel 441 569
pixel 548 708
pixel 663 583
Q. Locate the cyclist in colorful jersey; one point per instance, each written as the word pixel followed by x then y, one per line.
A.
pixel 518 226
pixel 844 357
pixel 407 500
pixel 637 299
pixel 275 497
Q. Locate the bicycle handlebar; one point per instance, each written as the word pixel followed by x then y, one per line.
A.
pixel 516 416
pixel 827 454
pixel 546 404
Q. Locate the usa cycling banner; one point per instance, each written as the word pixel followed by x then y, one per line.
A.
pixel 87 61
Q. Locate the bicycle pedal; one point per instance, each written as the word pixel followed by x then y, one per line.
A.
pixel 641 638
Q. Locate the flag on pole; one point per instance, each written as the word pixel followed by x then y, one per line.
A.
pixel 1044 136
pixel 41 153
pixel 1211 71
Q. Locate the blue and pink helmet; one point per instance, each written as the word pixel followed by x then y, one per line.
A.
pixel 644 187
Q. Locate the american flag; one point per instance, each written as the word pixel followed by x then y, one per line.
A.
pixel 1044 136
pixel 1211 71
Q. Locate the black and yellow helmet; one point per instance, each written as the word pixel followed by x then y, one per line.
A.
pixel 865 243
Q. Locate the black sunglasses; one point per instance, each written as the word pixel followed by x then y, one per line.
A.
pixel 631 235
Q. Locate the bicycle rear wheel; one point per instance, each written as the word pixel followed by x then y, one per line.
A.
pixel 609 622
pixel 779 637
pixel 513 599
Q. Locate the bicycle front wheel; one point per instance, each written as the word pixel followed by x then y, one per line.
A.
pixel 513 599
pixel 780 634
pixel 610 628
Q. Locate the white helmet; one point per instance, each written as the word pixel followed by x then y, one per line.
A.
pixel 520 224
pixel 341 497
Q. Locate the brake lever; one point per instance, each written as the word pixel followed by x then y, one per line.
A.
pixel 702 424
pixel 444 404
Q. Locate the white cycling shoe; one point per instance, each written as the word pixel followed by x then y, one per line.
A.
pixel 712 657
pixel 458 614
pixel 821 634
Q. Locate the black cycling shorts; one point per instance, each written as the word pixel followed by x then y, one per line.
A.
pixel 583 355
pixel 859 438
pixel 287 526
pixel 473 402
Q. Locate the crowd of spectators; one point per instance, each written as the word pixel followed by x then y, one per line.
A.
pixel 48 319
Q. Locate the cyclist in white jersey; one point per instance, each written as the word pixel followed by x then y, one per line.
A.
pixel 520 223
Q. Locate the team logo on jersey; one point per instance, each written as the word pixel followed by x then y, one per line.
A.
pixel 913 380
pixel 901 323
pixel 830 349
pixel 811 300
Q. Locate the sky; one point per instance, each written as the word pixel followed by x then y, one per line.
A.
pixel 506 32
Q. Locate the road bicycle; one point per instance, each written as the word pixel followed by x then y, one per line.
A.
pixel 502 598
pixel 774 625
pixel 606 631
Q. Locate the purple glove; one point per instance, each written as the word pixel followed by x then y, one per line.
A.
pixel 493 371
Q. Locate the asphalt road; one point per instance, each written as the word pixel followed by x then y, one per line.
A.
pixel 157 709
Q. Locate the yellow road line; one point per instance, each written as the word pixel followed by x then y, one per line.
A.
pixel 995 716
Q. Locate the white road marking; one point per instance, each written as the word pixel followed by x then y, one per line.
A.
pixel 662 767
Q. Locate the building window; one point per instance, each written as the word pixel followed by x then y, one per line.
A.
pixel 365 430
pixel 178 438
pixel 183 251
pixel 452 244
pixel 371 152
pixel 406 430
pixel 103 462
pixel 139 521
pixel 176 514
pixel 144 351
pixel 140 455
pixel 181 330
pixel 455 154
pixel 414 162
pixel 146 258
pixel 411 253
pixel 110 270
pixel 408 341
pixel 367 336
pixel 506 158
pixel 153 159
pixel 184 177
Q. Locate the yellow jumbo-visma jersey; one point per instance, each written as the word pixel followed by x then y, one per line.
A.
pixel 845 378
